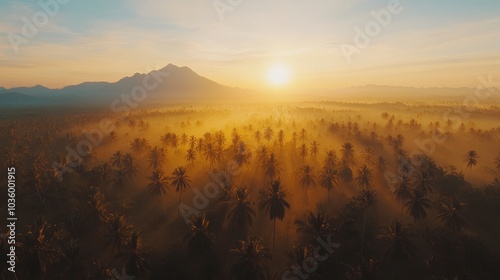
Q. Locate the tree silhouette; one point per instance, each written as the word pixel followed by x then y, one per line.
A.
pixel 403 191
pixel 241 213
pixel 314 149
pixel 416 205
pixel 306 176
pixel 200 238
pixel 401 246
pixel 250 261
pixel 471 158
pixel 365 199
pixel 364 177
pixel 118 232
pixel 274 203
pixel 451 215
pixel 347 151
pixel 158 186
pixel 180 180
pixel 271 166
pixel 329 178
pixel 314 226
pixel 117 159
pixel 136 263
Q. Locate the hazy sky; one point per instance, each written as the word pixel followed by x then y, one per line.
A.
pixel 449 43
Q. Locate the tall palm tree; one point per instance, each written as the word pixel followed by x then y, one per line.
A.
pixel 274 203
pixel 306 176
pixel 314 226
pixel 156 158
pixel 200 238
pixel 158 186
pixel 416 205
pixel 281 137
pixel 347 151
pixel 471 158
pixel 399 237
pixel 250 261
pixel 241 213
pixel 117 159
pixel 314 148
pixel 303 151
pixel 451 215
pixel 330 160
pixel 180 180
pixel 403 191
pixel 329 178
pixel 136 263
pixel 423 180
pixel 364 177
pixel 268 134
pixel 271 166
pixel 369 156
pixel 130 166
pixel 118 232
pixel 365 199
pixel 190 155
pixel 303 134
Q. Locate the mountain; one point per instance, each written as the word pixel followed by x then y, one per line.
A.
pixel 171 84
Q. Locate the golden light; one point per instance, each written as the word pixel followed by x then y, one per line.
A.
pixel 278 75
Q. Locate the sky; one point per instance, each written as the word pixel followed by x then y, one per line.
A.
pixel 424 43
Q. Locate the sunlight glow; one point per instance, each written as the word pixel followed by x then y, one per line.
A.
pixel 278 75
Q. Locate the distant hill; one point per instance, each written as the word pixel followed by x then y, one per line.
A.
pixel 171 84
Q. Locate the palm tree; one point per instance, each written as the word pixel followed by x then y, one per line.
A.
pixel 398 236
pixel 158 186
pixel 250 261
pixel 402 191
pixel 381 164
pixel 347 154
pixel 303 151
pixel 423 181
pixel 190 155
pixel 365 271
pixel 200 238
pixel 364 177
pixel 452 215
pixel 274 203
pixel 314 226
pixel 136 263
pixel 180 181
pixel 329 178
pixel 241 213
pixel 156 158
pixel 306 175
pixel 281 137
pixel 365 199
pixel 242 154
pixel 118 232
pixel 271 166
pixel 314 148
pixel 130 166
pixel 416 204
pixel 268 134
pixel 330 160
pixel 117 159
pixel 369 156
pixel 303 134
pixel 471 158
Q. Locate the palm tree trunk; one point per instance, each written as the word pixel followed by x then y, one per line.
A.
pixel 178 209
pixel 274 235
pixel 363 235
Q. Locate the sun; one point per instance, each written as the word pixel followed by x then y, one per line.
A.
pixel 278 75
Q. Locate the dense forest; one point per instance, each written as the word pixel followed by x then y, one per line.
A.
pixel 324 190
